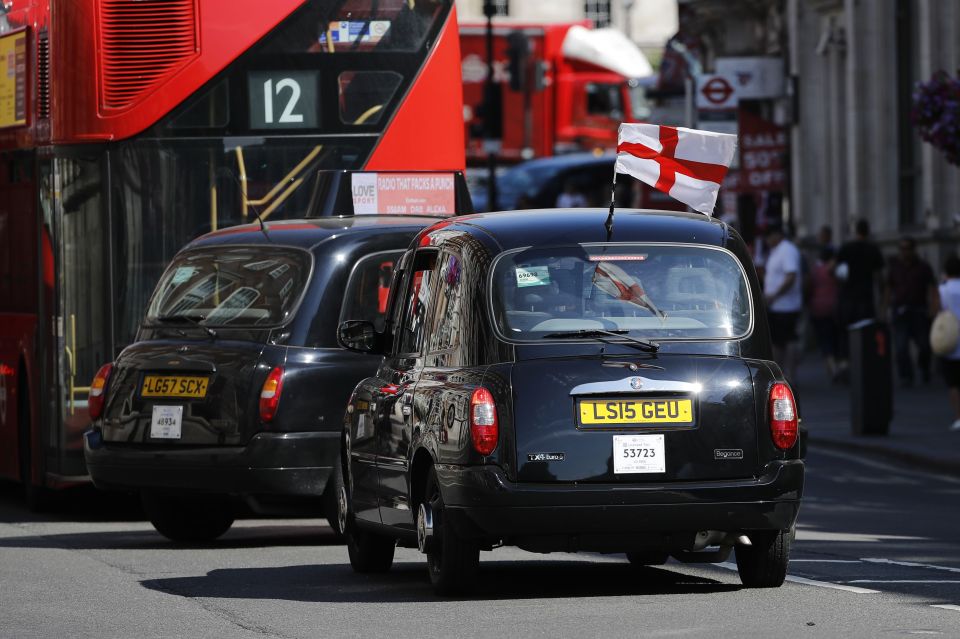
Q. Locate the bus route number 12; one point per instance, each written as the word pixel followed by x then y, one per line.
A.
pixel 282 100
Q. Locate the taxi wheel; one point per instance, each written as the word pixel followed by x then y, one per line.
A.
pixel 188 519
pixel 647 558
pixel 453 562
pixel 763 564
pixel 369 552
pixel 331 495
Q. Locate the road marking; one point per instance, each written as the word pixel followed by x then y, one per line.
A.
pixel 826 561
pixel 903 581
pixel 908 564
pixel 946 607
pixel 811 582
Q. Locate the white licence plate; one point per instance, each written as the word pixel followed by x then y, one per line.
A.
pixel 166 421
pixel 638 454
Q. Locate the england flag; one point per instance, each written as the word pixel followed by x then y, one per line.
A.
pixel 687 164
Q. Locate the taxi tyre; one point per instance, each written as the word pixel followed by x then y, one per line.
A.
pixel 452 561
pixel 368 551
pixel 763 564
pixel 330 496
pixel 647 558
pixel 188 519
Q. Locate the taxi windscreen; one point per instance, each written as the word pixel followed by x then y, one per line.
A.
pixel 231 286
pixel 656 290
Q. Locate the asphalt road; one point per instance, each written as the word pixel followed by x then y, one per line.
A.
pixel 877 555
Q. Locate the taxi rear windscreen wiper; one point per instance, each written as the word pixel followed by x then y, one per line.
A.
pixel 193 319
pixel 646 345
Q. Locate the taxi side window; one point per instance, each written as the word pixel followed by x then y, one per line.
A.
pixel 416 302
pixel 369 287
pixel 445 325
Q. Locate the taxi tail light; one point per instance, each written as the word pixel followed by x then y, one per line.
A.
pixel 270 394
pixel 98 391
pixel 484 425
pixel 783 416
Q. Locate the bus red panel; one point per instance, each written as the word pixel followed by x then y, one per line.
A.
pixel 227 28
pixel 418 123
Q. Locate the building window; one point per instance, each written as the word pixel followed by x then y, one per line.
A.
pixel 502 7
pixel 598 11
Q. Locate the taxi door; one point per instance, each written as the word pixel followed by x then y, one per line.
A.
pixel 401 370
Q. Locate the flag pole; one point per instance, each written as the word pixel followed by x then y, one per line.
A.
pixel 613 201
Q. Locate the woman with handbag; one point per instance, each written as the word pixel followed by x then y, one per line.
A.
pixel 945 334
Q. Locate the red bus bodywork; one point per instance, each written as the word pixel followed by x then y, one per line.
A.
pixel 103 84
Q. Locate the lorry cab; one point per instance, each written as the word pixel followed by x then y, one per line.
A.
pixel 563 87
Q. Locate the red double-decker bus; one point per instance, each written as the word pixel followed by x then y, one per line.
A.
pixel 128 127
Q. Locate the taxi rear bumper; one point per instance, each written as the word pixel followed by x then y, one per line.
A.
pixel 482 504
pixel 296 463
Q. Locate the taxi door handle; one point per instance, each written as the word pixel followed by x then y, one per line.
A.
pixel 406 401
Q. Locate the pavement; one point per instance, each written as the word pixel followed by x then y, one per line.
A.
pixel 918 433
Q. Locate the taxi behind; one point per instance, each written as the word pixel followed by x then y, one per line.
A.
pixel 550 385
pixel 233 392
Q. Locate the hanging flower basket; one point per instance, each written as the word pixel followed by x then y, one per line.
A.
pixel 936 113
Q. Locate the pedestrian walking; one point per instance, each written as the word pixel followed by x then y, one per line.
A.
pixel 782 290
pixel 950 363
pixel 859 265
pixel 823 293
pixel 912 299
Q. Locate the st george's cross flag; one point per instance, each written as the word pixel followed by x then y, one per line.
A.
pixel 688 164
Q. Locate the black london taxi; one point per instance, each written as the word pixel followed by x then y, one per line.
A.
pixel 555 387
pixel 235 388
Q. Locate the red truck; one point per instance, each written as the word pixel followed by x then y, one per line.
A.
pixel 563 87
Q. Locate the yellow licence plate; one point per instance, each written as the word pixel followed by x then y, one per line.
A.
pixel 174 386
pixel 636 411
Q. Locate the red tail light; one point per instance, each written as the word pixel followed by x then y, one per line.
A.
pixel 98 391
pixel 484 425
pixel 783 416
pixel 270 394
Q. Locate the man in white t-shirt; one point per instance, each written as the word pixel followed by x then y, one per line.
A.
pixel 782 290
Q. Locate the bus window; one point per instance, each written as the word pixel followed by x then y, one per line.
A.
pixel 364 95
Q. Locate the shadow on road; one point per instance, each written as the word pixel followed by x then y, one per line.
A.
pixel 241 536
pixel 80 503
pixel 408 582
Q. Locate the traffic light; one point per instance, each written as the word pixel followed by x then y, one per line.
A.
pixel 518 55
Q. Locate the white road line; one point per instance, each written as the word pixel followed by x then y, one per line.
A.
pixel 946 607
pixel 903 581
pixel 826 561
pixel 827 584
pixel 810 582
pixel 909 564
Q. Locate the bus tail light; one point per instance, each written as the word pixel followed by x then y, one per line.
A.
pixel 270 394
pixel 783 416
pixel 98 391
pixel 484 425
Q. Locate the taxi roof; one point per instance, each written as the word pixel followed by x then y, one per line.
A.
pixel 514 229
pixel 308 233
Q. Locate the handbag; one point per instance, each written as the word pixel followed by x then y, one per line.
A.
pixel 944 333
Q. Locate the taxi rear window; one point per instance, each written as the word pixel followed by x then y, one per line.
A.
pixel 231 286
pixel 654 291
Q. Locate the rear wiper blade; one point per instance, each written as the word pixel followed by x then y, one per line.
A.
pixel 193 319
pixel 646 345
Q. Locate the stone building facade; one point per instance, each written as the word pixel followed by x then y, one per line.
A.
pixel 649 23
pixel 854 151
